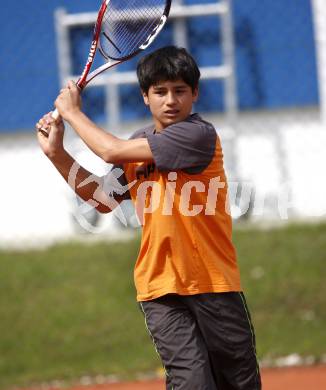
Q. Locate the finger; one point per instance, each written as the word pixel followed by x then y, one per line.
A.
pixel 49 118
pixel 41 123
pixel 71 84
pixel 74 87
pixel 44 132
pixel 43 126
pixel 46 121
pixel 42 129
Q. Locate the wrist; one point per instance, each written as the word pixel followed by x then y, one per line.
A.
pixel 56 156
pixel 71 115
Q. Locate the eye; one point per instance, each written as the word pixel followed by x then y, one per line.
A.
pixel 159 92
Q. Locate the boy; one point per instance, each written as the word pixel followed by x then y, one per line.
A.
pixel 186 274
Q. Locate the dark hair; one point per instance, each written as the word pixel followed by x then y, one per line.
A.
pixel 168 63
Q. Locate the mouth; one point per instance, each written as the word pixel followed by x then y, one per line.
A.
pixel 171 112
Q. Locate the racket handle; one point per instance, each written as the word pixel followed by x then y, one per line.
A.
pixel 55 115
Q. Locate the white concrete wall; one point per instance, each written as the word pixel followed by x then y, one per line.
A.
pixel 36 204
pixel 282 153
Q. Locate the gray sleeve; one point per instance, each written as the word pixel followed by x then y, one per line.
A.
pixel 189 146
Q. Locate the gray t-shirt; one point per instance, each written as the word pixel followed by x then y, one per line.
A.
pixel 188 145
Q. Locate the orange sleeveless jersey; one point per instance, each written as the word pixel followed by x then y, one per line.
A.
pixel 186 245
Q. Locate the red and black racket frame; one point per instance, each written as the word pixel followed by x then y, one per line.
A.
pixel 86 76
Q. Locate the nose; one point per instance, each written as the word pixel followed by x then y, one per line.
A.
pixel 170 98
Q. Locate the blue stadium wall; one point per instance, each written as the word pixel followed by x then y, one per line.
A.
pixel 275 59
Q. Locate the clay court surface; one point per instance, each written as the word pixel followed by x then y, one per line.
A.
pixel 298 378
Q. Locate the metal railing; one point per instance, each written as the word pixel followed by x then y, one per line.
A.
pixel 178 16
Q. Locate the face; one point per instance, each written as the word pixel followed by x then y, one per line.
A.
pixel 170 102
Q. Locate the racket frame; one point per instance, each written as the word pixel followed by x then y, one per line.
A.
pixel 83 81
pixel 86 76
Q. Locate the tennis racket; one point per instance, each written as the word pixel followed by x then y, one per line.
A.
pixel 123 29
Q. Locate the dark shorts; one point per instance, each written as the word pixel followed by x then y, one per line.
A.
pixel 205 341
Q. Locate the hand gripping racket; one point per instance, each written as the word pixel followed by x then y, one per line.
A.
pixel 123 28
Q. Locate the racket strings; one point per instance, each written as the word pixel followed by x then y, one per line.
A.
pixel 127 34
pixel 137 40
pixel 123 27
pixel 127 25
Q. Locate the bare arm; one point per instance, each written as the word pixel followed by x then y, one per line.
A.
pixel 86 185
pixel 108 147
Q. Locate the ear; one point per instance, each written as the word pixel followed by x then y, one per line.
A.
pixel 195 95
pixel 145 97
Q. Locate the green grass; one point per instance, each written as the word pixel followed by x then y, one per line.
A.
pixel 283 273
pixel 70 310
